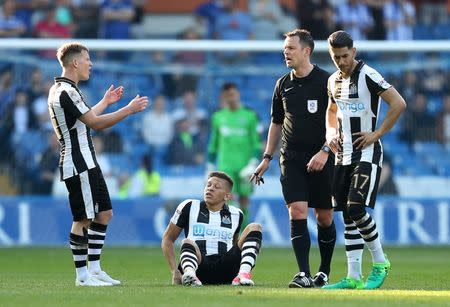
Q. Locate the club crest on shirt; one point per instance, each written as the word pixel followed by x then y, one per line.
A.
pixel 226 220
pixel 312 106
pixel 76 98
pixel 353 89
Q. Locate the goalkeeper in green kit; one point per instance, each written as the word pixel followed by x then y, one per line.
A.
pixel 234 146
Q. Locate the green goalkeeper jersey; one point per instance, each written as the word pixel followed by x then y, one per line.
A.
pixel 234 138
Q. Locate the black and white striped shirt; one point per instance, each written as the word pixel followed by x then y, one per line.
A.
pixel 212 231
pixel 358 102
pixel 66 105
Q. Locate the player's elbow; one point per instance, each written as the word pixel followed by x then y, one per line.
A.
pixel 400 106
pixel 98 125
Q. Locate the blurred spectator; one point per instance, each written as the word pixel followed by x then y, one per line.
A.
pixel 376 8
pixel 144 182
pixel 25 9
pixel 40 109
pixel 50 27
pixel 387 185
pixel 7 90
pixel 409 85
pixel 399 19
pixel 176 83
pixel 35 88
pixel 434 82
pixel 21 116
pixel 86 14
pixel 116 18
pixel 48 167
pixel 10 25
pixel 111 139
pixel 316 16
pixel 191 112
pixel 206 15
pixel 63 13
pixel 267 16
pixel 434 12
pixel 354 17
pixel 183 150
pixel 233 24
pixel 443 122
pixel 418 123
pixel 157 128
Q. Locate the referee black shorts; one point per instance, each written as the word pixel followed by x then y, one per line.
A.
pixel 88 194
pixel 219 269
pixel 300 185
pixel 356 183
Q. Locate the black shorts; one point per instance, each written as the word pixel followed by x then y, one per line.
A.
pixel 356 183
pixel 88 194
pixel 219 269
pixel 300 185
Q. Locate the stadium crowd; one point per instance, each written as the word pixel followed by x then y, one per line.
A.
pixel 174 131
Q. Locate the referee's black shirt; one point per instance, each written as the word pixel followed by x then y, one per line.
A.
pixel 300 104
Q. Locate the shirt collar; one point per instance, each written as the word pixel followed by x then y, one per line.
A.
pixel 64 79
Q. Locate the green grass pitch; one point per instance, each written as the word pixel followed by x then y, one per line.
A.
pixel 45 277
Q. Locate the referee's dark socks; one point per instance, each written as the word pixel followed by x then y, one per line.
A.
pixel 301 243
pixel 96 236
pixel 188 257
pixel 250 250
pixel 326 237
pixel 79 245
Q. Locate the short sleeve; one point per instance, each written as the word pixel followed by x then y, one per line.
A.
pixel 181 215
pixel 241 219
pixel 329 91
pixel 376 83
pixel 72 103
pixel 277 113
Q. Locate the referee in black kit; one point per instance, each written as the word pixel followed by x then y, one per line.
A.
pixel 299 106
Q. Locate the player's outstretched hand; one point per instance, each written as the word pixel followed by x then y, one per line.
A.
pixel 112 95
pixel 257 175
pixel 138 103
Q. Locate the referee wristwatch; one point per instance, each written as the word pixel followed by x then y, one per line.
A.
pixel 326 148
pixel 267 156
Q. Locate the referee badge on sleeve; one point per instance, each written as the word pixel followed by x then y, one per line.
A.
pixel 312 106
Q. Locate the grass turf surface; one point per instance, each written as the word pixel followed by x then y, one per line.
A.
pixel 45 276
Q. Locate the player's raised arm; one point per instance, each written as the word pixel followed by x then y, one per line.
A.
pixel 167 244
pixel 112 95
pixel 137 104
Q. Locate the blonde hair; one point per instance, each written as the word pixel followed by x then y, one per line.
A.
pixel 66 52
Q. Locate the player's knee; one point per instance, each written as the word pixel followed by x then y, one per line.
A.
pixel 187 241
pixel 104 217
pixel 254 227
pixel 356 211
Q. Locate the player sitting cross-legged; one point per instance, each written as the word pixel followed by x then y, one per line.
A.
pixel 212 251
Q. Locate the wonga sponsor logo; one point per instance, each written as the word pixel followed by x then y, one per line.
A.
pixel 199 230
pixel 353 107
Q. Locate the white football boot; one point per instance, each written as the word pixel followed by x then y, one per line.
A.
pixel 104 277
